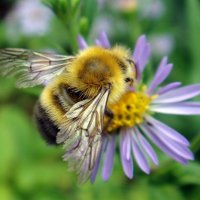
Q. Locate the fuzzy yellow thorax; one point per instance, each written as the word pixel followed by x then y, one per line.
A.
pixel 129 110
pixel 95 67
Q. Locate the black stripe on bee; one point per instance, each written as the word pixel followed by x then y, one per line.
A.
pixel 122 65
pixel 45 125
pixel 58 103
pixel 74 94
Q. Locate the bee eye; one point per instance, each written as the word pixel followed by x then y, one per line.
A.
pixel 127 80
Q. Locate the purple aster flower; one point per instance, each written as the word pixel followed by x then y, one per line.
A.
pixel 29 17
pixel 137 128
pixel 162 44
pixel 151 9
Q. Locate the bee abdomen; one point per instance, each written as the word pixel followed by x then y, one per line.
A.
pixel 45 125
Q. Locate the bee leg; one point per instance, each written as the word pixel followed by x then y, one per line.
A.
pixel 110 115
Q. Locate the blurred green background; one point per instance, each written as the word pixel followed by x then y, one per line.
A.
pixel 30 169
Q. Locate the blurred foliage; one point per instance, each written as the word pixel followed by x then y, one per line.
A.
pixel 30 169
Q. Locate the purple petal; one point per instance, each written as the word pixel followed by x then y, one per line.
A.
pixel 140 44
pixel 145 56
pixel 82 43
pixel 104 40
pixel 147 147
pixel 128 148
pixel 169 132
pixel 181 108
pixel 139 156
pixel 126 145
pixel 138 72
pixel 162 145
pixel 96 166
pixel 162 73
pixel 141 54
pixel 98 43
pixel 109 158
pixel 127 167
pixel 127 164
pixel 180 94
pixel 178 148
pixel 162 65
pixel 168 87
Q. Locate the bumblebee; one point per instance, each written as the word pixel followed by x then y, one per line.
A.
pixel 77 93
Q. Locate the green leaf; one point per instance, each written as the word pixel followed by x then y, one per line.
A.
pixel 7 144
pixel 165 192
pixel 194 194
pixel 7 88
pixel 140 190
pixel 6 192
pixel 89 10
pixel 188 174
pixel 35 175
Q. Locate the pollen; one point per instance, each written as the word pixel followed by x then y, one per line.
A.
pixel 128 111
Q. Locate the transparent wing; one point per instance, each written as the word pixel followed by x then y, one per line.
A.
pixel 31 68
pixel 82 134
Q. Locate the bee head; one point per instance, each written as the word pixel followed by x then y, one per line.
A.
pixel 126 64
pixel 129 71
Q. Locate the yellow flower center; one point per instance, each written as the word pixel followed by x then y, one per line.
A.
pixel 128 111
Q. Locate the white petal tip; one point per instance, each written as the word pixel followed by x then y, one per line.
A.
pixel 156 162
pixel 130 176
pixel 147 171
